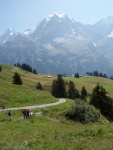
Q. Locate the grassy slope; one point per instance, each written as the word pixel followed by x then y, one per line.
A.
pixel 41 132
pixel 21 95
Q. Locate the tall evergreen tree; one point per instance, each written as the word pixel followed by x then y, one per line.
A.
pixel 95 73
pixel 54 89
pixel 17 79
pixel 76 75
pixel 72 91
pixel 83 93
pixel 34 71
pixel 98 94
pixel 103 102
pixel 58 87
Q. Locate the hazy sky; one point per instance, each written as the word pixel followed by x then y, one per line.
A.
pixel 25 14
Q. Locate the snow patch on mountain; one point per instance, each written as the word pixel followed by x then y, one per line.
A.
pixel 27 32
pixel 8 35
pixel 59 40
pixel 111 35
pixel 12 31
pixel 59 14
pixel 94 44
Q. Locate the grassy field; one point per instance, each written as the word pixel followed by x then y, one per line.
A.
pixel 52 130
pixel 91 82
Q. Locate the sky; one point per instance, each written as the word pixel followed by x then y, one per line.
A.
pixel 26 14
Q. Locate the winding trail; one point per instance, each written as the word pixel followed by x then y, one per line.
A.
pixel 61 100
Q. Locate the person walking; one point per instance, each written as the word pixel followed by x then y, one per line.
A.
pixel 10 115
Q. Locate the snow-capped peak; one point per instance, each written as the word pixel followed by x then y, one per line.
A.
pixel 11 31
pixel 59 14
pixel 8 35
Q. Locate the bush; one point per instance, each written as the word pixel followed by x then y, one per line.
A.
pixel 0 68
pixel 83 112
pixel 17 79
pixel 39 86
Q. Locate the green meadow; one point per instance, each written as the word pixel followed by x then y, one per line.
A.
pixel 51 130
pixel 90 82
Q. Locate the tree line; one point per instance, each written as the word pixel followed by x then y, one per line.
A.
pixel 94 73
pixel 26 67
pixel 59 89
pixel 97 74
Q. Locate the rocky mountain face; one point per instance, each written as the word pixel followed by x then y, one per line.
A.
pixel 61 45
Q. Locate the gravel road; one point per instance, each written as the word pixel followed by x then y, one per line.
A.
pixel 61 100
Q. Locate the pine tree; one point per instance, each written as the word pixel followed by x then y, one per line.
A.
pixel 103 102
pixel 17 79
pixel 34 71
pixel 72 92
pixel 98 94
pixel 76 75
pixel 58 87
pixel 54 89
pixel 83 93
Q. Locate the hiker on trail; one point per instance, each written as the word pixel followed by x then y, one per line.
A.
pixel 26 113
pixel 10 115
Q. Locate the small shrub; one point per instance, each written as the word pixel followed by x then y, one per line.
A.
pixel 83 112
pixel 17 79
pixel 39 86
pixel 0 68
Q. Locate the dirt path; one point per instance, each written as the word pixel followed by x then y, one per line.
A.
pixel 61 100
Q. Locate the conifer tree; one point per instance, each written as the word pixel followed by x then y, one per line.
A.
pixel 83 93
pixel 103 102
pixel 98 94
pixel 54 89
pixel 17 79
pixel 58 87
pixel 72 92
pixel 34 71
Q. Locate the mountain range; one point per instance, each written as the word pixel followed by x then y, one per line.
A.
pixel 61 45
